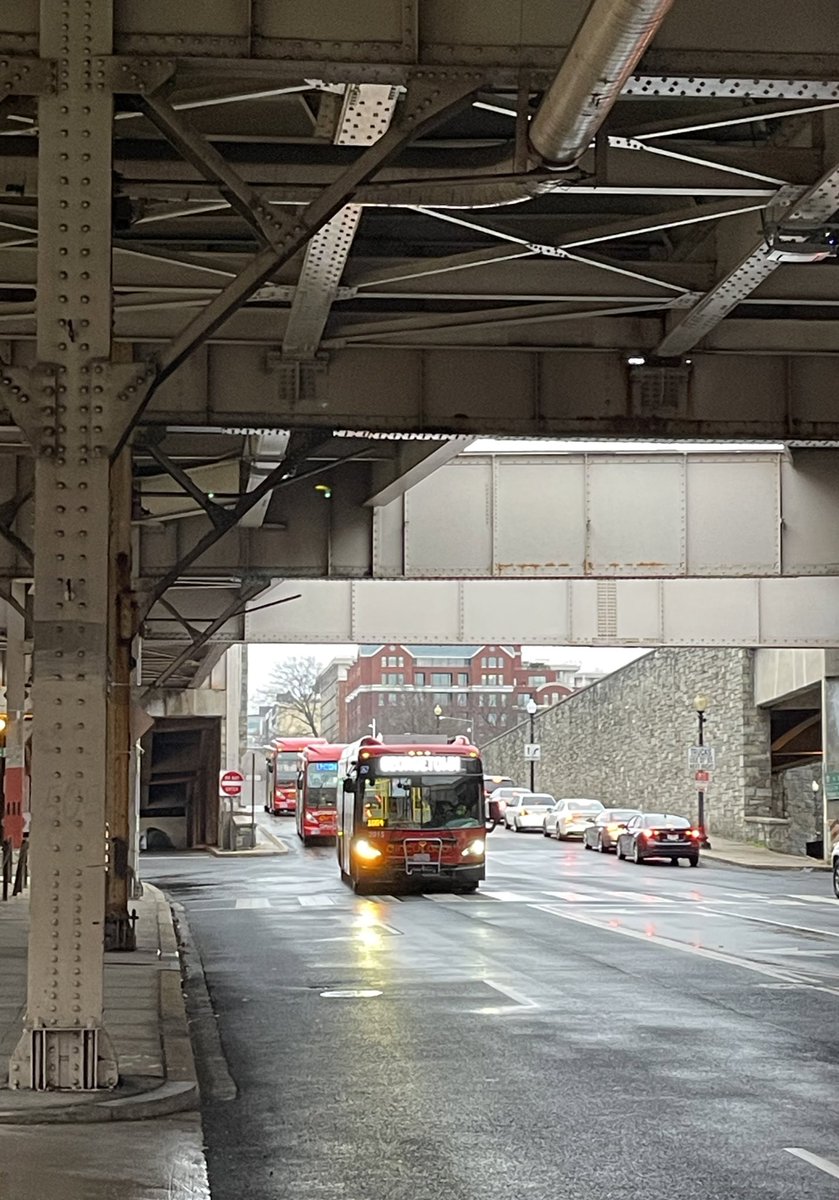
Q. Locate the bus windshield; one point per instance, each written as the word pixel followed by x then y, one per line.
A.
pixel 285 767
pixel 321 782
pixel 423 802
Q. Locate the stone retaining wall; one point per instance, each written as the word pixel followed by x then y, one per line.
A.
pixel 625 740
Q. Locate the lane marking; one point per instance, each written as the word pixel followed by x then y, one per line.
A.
pixel 720 956
pixel 784 925
pixel 519 999
pixel 816 899
pixel 822 1164
pixel 316 901
pixel 253 902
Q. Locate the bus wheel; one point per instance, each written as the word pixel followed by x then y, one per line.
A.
pixel 361 887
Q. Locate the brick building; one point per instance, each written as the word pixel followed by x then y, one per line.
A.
pixel 479 690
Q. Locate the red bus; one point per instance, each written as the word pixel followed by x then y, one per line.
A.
pixel 317 816
pixel 411 814
pixel 283 768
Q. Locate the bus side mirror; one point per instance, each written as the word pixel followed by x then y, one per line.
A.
pixel 349 786
pixel 493 814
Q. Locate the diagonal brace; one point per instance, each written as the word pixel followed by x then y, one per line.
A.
pixel 274 480
pixel 219 516
pixel 429 101
pixel 200 639
pixel 200 153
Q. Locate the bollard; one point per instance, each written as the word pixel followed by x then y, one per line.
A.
pixel 22 873
pixel 7 866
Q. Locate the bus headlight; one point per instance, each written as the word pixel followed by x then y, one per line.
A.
pixel 476 847
pixel 363 850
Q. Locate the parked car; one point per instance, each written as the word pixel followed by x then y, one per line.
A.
pixel 493 782
pixel 527 810
pixel 659 835
pixel 603 834
pixel 570 818
pixel 505 794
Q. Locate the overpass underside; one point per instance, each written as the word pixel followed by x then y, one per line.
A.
pixel 231 231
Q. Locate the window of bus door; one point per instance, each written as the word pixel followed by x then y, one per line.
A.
pixel 422 802
pixel 321 782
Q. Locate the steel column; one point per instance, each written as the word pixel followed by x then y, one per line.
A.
pixel 14 775
pixel 64 1044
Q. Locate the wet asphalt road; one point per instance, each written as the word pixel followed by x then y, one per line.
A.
pixel 580 1028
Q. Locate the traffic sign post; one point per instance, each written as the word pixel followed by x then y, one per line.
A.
pixel 702 778
pixel 230 783
pixel 701 758
pixel 532 752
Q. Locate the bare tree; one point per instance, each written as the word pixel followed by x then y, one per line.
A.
pixel 292 686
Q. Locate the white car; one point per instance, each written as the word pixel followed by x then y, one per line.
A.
pixel 569 818
pixel 527 810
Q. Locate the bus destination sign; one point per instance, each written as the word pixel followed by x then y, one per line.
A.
pixel 421 764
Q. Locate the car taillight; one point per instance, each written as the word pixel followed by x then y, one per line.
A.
pixel 646 833
pixel 695 833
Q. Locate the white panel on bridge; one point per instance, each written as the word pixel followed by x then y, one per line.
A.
pixel 604 612
pixel 733 516
pixel 539 517
pixel 489 609
pixel 636 516
pixel 617 515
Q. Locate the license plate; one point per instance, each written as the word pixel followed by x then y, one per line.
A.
pixel 419 858
pixel 674 837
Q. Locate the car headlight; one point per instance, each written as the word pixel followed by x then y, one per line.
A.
pixel 476 847
pixel 363 850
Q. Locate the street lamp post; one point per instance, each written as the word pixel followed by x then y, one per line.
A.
pixel 531 712
pixel 438 713
pixel 701 703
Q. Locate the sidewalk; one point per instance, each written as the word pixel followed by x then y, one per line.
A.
pixel 144 1015
pixel 744 854
pixel 267 842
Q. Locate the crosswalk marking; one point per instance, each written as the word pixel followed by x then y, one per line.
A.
pixel 601 900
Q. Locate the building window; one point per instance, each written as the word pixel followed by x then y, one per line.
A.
pixel 492 662
pixel 393 678
pixel 401 662
pixel 491 718
pixel 441 679
pixel 463 680
pixel 537 680
pixel 480 702
pixel 524 699
pixel 419 678
pixel 391 697
pixel 503 697
pixel 381 699
pixel 492 700
pixel 462 699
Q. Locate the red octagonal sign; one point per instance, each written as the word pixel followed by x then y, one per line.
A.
pixel 230 783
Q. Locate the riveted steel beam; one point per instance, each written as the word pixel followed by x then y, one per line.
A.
pixel 428 101
pixel 804 209
pixel 365 116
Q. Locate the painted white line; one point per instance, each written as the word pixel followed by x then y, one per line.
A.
pixel 823 1164
pixel 730 960
pixel 253 902
pixel 316 901
pixel 444 898
pixel 507 897
pixel 785 925
pixel 817 899
pixel 520 999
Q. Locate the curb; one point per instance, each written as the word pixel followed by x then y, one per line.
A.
pixel 721 857
pixel 178 1093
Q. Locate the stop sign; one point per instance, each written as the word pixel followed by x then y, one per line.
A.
pixel 230 783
